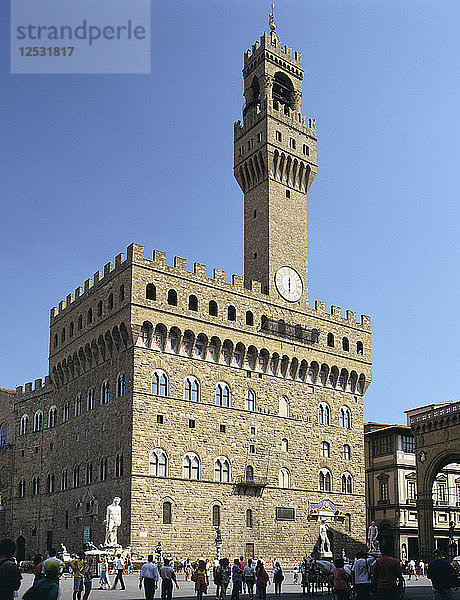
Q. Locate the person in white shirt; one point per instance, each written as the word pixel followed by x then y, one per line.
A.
pixel 52 557
pixel 149 575
pixel 168 576
pixel 119 564
pixel 362 575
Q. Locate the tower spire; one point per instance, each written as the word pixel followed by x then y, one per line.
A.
pixel 271 19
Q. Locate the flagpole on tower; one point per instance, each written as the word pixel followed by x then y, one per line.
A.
pixel 271 19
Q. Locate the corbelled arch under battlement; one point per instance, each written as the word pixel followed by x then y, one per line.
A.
pixel 436 430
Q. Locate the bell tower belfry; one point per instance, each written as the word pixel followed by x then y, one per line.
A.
pixel 275 164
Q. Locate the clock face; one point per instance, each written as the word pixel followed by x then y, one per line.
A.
pixel 289 284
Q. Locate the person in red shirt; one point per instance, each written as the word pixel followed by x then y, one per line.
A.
pixel 387 573
pixel 341 579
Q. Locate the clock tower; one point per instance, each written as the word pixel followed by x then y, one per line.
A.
pixel 275 164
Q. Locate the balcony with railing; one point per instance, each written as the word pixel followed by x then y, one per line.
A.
pixel 249 486
pixel 287 330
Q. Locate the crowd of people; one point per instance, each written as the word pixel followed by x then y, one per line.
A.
pixel 368 576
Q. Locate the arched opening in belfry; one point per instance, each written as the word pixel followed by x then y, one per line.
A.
pixel 255 89
pixel 283 90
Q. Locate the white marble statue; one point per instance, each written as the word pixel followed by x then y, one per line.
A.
pixel 112 522
pixel 325 548
pixel 372 538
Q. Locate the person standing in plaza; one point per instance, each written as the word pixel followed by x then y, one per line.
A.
pixel 77 565
pixel 119 565
pixel 341 580
pixel 217 576
pixel 168 576
pixel 47 587
pixel 10 577
pixel 149 576
pixel 37 568
pixel 249 576
pixel 237 579
pixel 243 564
pixel 262 580
pixel 278 578
pixel 387 573
pixel 226 573
pixel 104 581
pixel 200 577
pixel 361 573
pixel 88 573
pixel 443 577
pixel 52 557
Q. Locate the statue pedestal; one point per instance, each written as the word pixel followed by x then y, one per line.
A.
pixel 375 553
pixel 112 549
pixel 326 554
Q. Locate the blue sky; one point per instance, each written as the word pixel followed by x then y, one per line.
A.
pixel 91 163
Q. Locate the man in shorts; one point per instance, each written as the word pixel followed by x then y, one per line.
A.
pixel 77 565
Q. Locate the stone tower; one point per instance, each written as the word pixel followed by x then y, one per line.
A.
pixel 275 164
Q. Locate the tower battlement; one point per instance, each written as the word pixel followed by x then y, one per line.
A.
pixel 271 43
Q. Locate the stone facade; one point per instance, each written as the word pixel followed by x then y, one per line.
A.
pixel 202 403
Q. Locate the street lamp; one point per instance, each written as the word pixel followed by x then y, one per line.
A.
pixel 218 542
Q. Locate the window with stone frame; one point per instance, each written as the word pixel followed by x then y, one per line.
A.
pixel 76 477
pixel 24 424
pixel 64 479
pixel 159 383
pixel 103 469
pixel 22 488
pixel 3 434
pixel 89 473
pixel 346 452
pixel 222 395
pixel 38 420
pixel 250 400
pixel 216 515
pixel 283 407
pixel 324 414
pixel 325 449
pixel 35 486
pixel 191 389
pixel 325 480
pixel 77 407
pixel 158 463
pixel 52 416
pixel 50 483
pixel 384 491
pixel 151 292
pixel 249 519
pixel 408 443
pixel 191 466
pixel 121 385
pixel 347 483
pixel 284 445
pixel 284 478
pixel 345 417
pixel 90 399
pixel 119 465
pixel 105 392
pixel 222 470
pixel 167 513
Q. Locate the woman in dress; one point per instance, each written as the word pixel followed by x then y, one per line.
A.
pixel 200 577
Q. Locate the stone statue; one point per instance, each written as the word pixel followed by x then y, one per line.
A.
pixel 324 539
pixel 112 522
pixel 372 538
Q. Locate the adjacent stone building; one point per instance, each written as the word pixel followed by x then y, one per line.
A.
pixel 392 491
pixel 205 405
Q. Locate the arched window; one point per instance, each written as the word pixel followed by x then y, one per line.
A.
pixel 151 292
pixel 22 488
pixel 283 409
pixel 325 449
pixel 105 392
pixel 71 329
pixel 193 303
pixel 282 91
pixel 346 452
pixel 56 339
pixel 103 469
pixel 222 395
pixel 38 420
pixel 249 318
pixel 76 477
pixel 3 435
pixel 36 486
pixel 50 483
pixel 249 518
pixel 222 470
pixel 52 416
pixel 89 473
pixel 167 513
pixel 284 445
pixel 64 480
pixel 77 407
pixel 80 322
pixel 159 383
pixel 325 480
pixel 89 317
pixel 158 463
pixel 250 400
pixel 359 348
pixel 110 301
pixel 121 294
pixel 345 344
pixel 24 424
pixel 284 478
pixel 191 389
pixel 213 308
pixel 90 402
pixel 191 466
pixel 119 465
pixel 345 417
pixel 231 313
pixel 172 297
pixel 324 414
pixel 66 412
pixel 347 483
pixel 121 385
pixel 63 335
pixel 249 473
pixel 99 308
pixel 330 340
pixel 216 515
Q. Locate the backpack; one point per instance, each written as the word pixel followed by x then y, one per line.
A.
pixel 10 578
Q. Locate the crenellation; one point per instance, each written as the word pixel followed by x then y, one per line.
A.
pixel 19 390
pixel 97 277
pixel 108 268
pixel 366 321
pixel 219 275
pixel 119 259
pixel 180 263
pixel 255 286
pixel 79 290
pixel 336 311
pixel 351 316
pixel 135 252
pixel 38 384
pixel 320 306
pixel 199 270
pixel 88 284
pixel 238 281
pixel 61 305
pixel 159 257
pixel 28 387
